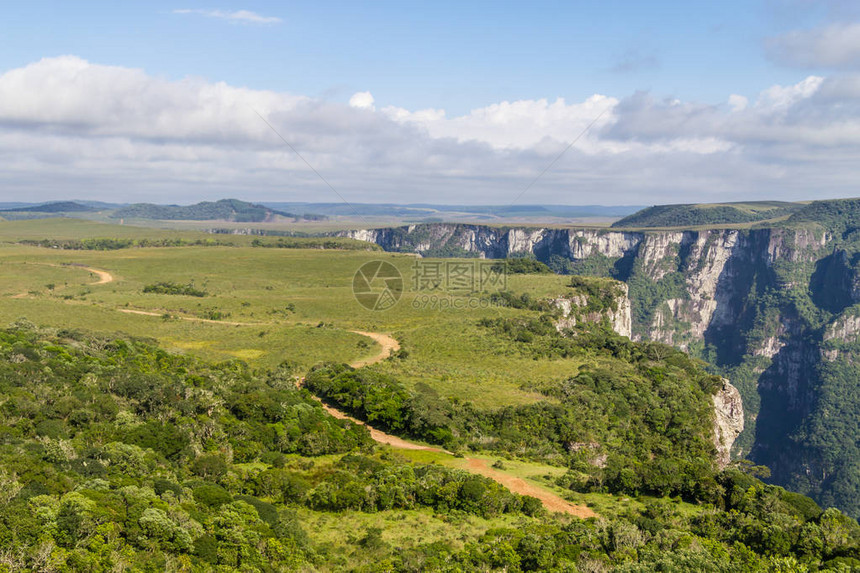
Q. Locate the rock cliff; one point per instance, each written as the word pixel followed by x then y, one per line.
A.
pixel 728 421
pixel 617 314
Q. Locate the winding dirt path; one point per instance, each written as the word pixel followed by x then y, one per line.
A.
pixel 191 318
pixel 378 435
pixel 104 277
pixel 389 346
pixel 551 501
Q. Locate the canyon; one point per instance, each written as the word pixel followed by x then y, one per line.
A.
pixel 770 308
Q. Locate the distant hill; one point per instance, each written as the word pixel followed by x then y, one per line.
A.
pixel 838 215
pixel 426 212
pixel 55 207
pixel 224 210
pixel 694 215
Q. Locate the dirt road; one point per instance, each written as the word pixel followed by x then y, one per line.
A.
pixel 518 485
pixel 191 318
pixel 389 346
pixel 104 277
pixel 551 501
pixel 377 435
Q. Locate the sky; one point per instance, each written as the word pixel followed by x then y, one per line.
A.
pixel 579 102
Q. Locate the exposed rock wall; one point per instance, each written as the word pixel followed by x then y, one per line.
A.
pixel 714 265
pixel 728 421
pixel 619 317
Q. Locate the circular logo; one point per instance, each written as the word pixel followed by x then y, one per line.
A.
pixel 377 285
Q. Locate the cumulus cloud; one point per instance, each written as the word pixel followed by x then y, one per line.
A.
pixel 512 125
pixel 362 100
pixel 834 46
pixel 69 127
pixel 738 102
pixel 241 16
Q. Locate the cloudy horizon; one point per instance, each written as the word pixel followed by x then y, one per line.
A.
pixel 74 126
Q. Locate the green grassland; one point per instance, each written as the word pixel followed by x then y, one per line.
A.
pixel 295 303
pixel 68 228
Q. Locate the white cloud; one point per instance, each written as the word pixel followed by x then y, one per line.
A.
pixel 778 98
pixel 243 16
pixel 834 46
pixel 513 125
pixel 738 102
pixel 71 128
pixel 362 100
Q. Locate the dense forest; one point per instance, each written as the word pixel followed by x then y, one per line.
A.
pixel 115 455
pixel 114 452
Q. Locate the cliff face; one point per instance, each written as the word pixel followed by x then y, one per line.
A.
pixel 772 308
pixel 617 314
pixel 728 421
pixel 702 276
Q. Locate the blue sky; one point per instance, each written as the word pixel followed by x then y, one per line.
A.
pixel 442 75
pixel 452 54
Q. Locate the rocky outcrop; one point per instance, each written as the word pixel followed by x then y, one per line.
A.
pixel 585 243
pixel 658 253
pixel 728 421
pixel 844 329
pixel 568 306
pixel 621 317
pixel 617 314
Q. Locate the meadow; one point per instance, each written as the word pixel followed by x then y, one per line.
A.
pixel 270 306
pixel 266 306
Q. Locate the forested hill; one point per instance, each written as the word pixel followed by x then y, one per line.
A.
pixel 840 216
pixel 223 210
pixel 56 207
pixel 697 215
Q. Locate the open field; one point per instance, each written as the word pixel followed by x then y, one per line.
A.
pixel 67 228
pixel 264 306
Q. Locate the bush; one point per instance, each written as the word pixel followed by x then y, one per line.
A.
pixel 174 289
pixel 211 495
